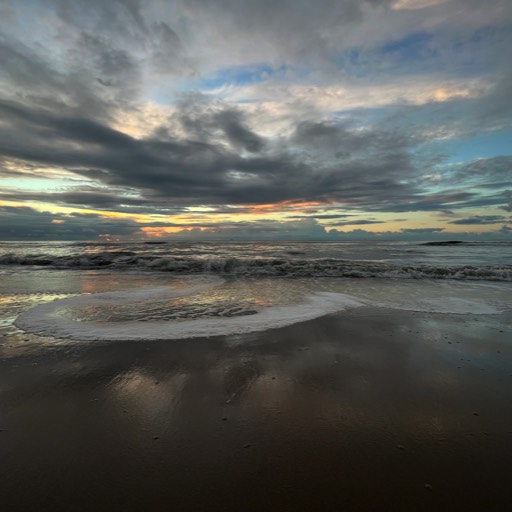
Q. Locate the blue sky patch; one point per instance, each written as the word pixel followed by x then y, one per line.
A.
pixel 241 75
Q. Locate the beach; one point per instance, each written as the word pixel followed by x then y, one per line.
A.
pixel 255 256
pixel 366 409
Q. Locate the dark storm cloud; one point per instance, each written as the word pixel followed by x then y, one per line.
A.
pixel 40 123
pixel 230 121
pixel 208 171
pixel 481 219
pixel 205 120
pixel 369 169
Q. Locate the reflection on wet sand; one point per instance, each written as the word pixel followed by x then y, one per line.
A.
pixel 370 410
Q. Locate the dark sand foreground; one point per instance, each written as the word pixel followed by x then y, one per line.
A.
pixel 375 409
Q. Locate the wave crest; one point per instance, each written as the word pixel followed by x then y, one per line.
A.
pixel 325 267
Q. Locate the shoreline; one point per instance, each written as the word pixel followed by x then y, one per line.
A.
pixel 369 409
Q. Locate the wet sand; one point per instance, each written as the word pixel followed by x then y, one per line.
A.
pixel 372 409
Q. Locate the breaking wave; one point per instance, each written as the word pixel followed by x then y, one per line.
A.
pixel 261 266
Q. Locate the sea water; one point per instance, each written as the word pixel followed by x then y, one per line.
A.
pixel 137 291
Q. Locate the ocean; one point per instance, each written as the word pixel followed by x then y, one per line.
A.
pixel 171 290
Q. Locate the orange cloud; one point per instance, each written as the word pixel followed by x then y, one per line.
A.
pixel 277 207
pixel 160 231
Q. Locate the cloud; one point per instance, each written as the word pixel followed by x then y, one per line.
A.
pixel 508 197
pixel 495 172
pixel 326 216
pixel 208 155
pixel 24 223
pixel 421 231
pixel 318 161
pixel 481 219
pixel 240 136
pixel 357 222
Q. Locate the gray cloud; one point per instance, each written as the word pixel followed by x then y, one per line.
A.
pixel 357 222
pixel 302 34
pixel 508 198
pixel 334 220
pixel 480 219
pixel 239 135
pixel 493 172
pixel 96 199
pixel 370 168
pixel 24 223
pixel 326 216
pixel 425 203
pixel 421 231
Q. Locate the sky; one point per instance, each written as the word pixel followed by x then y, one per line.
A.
pixel 255 119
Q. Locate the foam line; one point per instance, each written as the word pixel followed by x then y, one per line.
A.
pixel 46 321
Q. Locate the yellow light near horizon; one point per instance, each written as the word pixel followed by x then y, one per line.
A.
pixel 160 231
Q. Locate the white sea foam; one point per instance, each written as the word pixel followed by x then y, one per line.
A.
pixel 48 320
pixel 205 306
